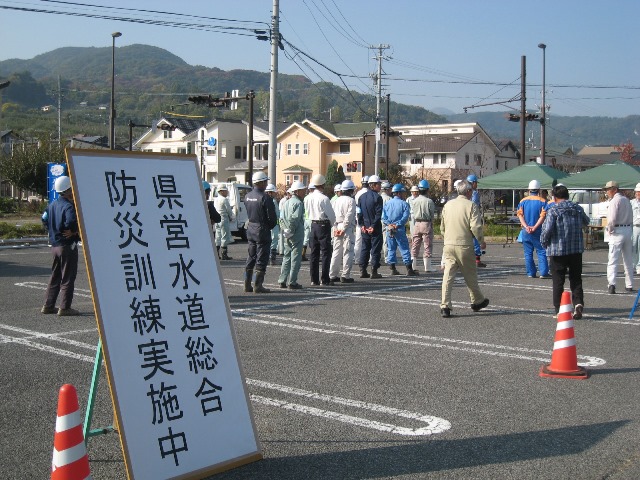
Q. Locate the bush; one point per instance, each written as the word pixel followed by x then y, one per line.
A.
pixel 11 230
pixel 7 205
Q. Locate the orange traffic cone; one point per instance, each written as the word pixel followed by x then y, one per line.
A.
pixel 564 359
pixel 70 461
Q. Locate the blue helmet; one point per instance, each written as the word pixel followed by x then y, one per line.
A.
pixel 423 185
pixel 205 185
pixel 472 178
pixel 398 187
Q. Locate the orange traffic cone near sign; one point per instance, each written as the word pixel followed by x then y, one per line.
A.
pixel 564 359
pixel 70 461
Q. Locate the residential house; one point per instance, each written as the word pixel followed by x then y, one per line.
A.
pixel 167 135
pixel 444 153
pixel 308 147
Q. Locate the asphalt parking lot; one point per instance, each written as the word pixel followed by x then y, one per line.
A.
pixel 364 380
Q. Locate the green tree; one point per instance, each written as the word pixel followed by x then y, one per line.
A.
pixel 332 177
pixel 341 177
pixel 26 167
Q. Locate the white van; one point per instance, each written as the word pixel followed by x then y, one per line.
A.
pixel 591 201
pixel 237 192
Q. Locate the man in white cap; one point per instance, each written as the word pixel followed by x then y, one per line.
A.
pixel 275 232
pixel 531 213
pixel 292 222
pixel 619 227
pixel 223 229
pixel 307 222
pixel 414 192
pixel 322 218
pixel 261 212
pixel 344 235
pixel 283 200
pixel 385 191
pixel 635 205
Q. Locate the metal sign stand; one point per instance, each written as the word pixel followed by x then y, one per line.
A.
pixel 635 305
pixel 97 364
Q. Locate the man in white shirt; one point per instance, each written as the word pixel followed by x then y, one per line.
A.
pixel 344 235
pixel 322 218
pixel 635 242
pixel 619 227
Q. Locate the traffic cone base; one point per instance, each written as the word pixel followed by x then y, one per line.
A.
pixel 70 460
pixel 564 359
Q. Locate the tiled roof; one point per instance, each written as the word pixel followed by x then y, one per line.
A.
pixel 244 166
pixel 297 168
pixel 262 125
pixel 437 143
pixel 186 125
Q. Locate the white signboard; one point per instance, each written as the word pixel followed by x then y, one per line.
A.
pixel 164 320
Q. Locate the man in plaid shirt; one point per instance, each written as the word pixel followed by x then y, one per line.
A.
pixel 562 238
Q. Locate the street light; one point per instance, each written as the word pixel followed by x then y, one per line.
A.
pixel 543 110
pixel 112 116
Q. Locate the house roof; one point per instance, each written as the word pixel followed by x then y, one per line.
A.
pixel 297 168
pixel 342 130
pixel 186 125
pixel 597 150
pixel 244 166
pixel 264 126
pixel 437 143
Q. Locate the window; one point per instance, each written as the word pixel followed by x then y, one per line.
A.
pixel 265 152
pixel 416 161
pixel 238 152
pixel 168 133
pixel 382 150
pixel 466 159
pixel 345 147
pixel 297 150
pixel 439 158
pixel 305 179
pixel 296 178
pixel 244 153
pixel 497 166
pixel 165 150
pixel 288 180
pixel 182 150
pixel 305 148
pixel 478 159
pixel 288 149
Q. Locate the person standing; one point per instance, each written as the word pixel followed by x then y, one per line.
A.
pixel 344 235
pixel 261 212
pixel 531 213
pixel 562 237
pixel 223 228
pixel 292 223
pixel 635 239
pixel 214 216
pixel 423 211
pixel 415 191
pixel 358 242
pixel 619 222
pixel 370 223
pixel 62 226
pixel 307 222
pixel 283 200
pixel 385 190
pixel 275 232
pixel 461 223
pixel 394 217
pixel 322 218
pixel 475 198
pixel 336 193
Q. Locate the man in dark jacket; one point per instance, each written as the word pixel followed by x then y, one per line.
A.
pixel 562 238
pixel 370 224
pixel 62 225
pixel 262 218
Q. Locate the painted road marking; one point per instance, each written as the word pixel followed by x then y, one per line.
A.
pixel 434 424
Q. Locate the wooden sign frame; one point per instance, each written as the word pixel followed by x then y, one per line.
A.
pixel 171 354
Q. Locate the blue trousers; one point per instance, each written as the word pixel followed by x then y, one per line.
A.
pixel 399 240
pixel 531 242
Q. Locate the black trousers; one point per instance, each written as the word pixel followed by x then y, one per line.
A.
pixel 371 247
pixel 63 276
pixel 258 255
pixel 320 246
pixel 558 267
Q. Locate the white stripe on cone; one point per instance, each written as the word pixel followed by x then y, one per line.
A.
pixel 564 325
pixel 68 421
pixel 566 308
pixel 569 342
pixel 67 456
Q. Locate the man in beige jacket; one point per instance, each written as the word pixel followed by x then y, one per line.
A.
pixel 461 223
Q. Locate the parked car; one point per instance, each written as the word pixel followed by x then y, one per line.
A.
pixel 237 192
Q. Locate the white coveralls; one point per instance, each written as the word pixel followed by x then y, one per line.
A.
pixel 223 229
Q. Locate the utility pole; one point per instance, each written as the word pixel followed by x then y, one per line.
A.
pixel 59 112
pixel 378 79
pixel 523 107
pixel 388 130
pixel 543 110
pixel 273 87
pixel 251 95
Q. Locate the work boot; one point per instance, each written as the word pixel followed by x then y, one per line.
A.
pixel 427 264
pixel 375 274
pixel 258 288
pixel 223 254
pixel 304 253
pixel 247 280
pixel 272 257
pixel 393 269
pixel 364 273
pixel 410 271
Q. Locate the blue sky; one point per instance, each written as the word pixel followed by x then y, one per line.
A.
pixel 438 49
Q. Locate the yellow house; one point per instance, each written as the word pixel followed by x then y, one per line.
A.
pixel 308 147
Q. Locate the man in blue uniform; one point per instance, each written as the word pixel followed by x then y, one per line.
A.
pixel 475 198
pixel 62 225
pixel 262 218
pixel 531 212
pixel 370 224
pixel 395 214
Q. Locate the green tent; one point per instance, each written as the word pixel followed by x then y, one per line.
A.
pixel 626 175
pixel 518 178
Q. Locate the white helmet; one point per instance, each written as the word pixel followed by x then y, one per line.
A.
pixel 318 179
pixel 637 189
pixel 534 185
pixel 414 189
pixel 365 179
pixel 348 185
pixel 223 188
pixel 297 185
pixel 386 185
pixel 270 188
pixel 259 177
pixel 338 187
pixel 62 184
pixel 374 179
pixel 456 183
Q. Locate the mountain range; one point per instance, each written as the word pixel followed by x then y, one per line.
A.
pixel 150 80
